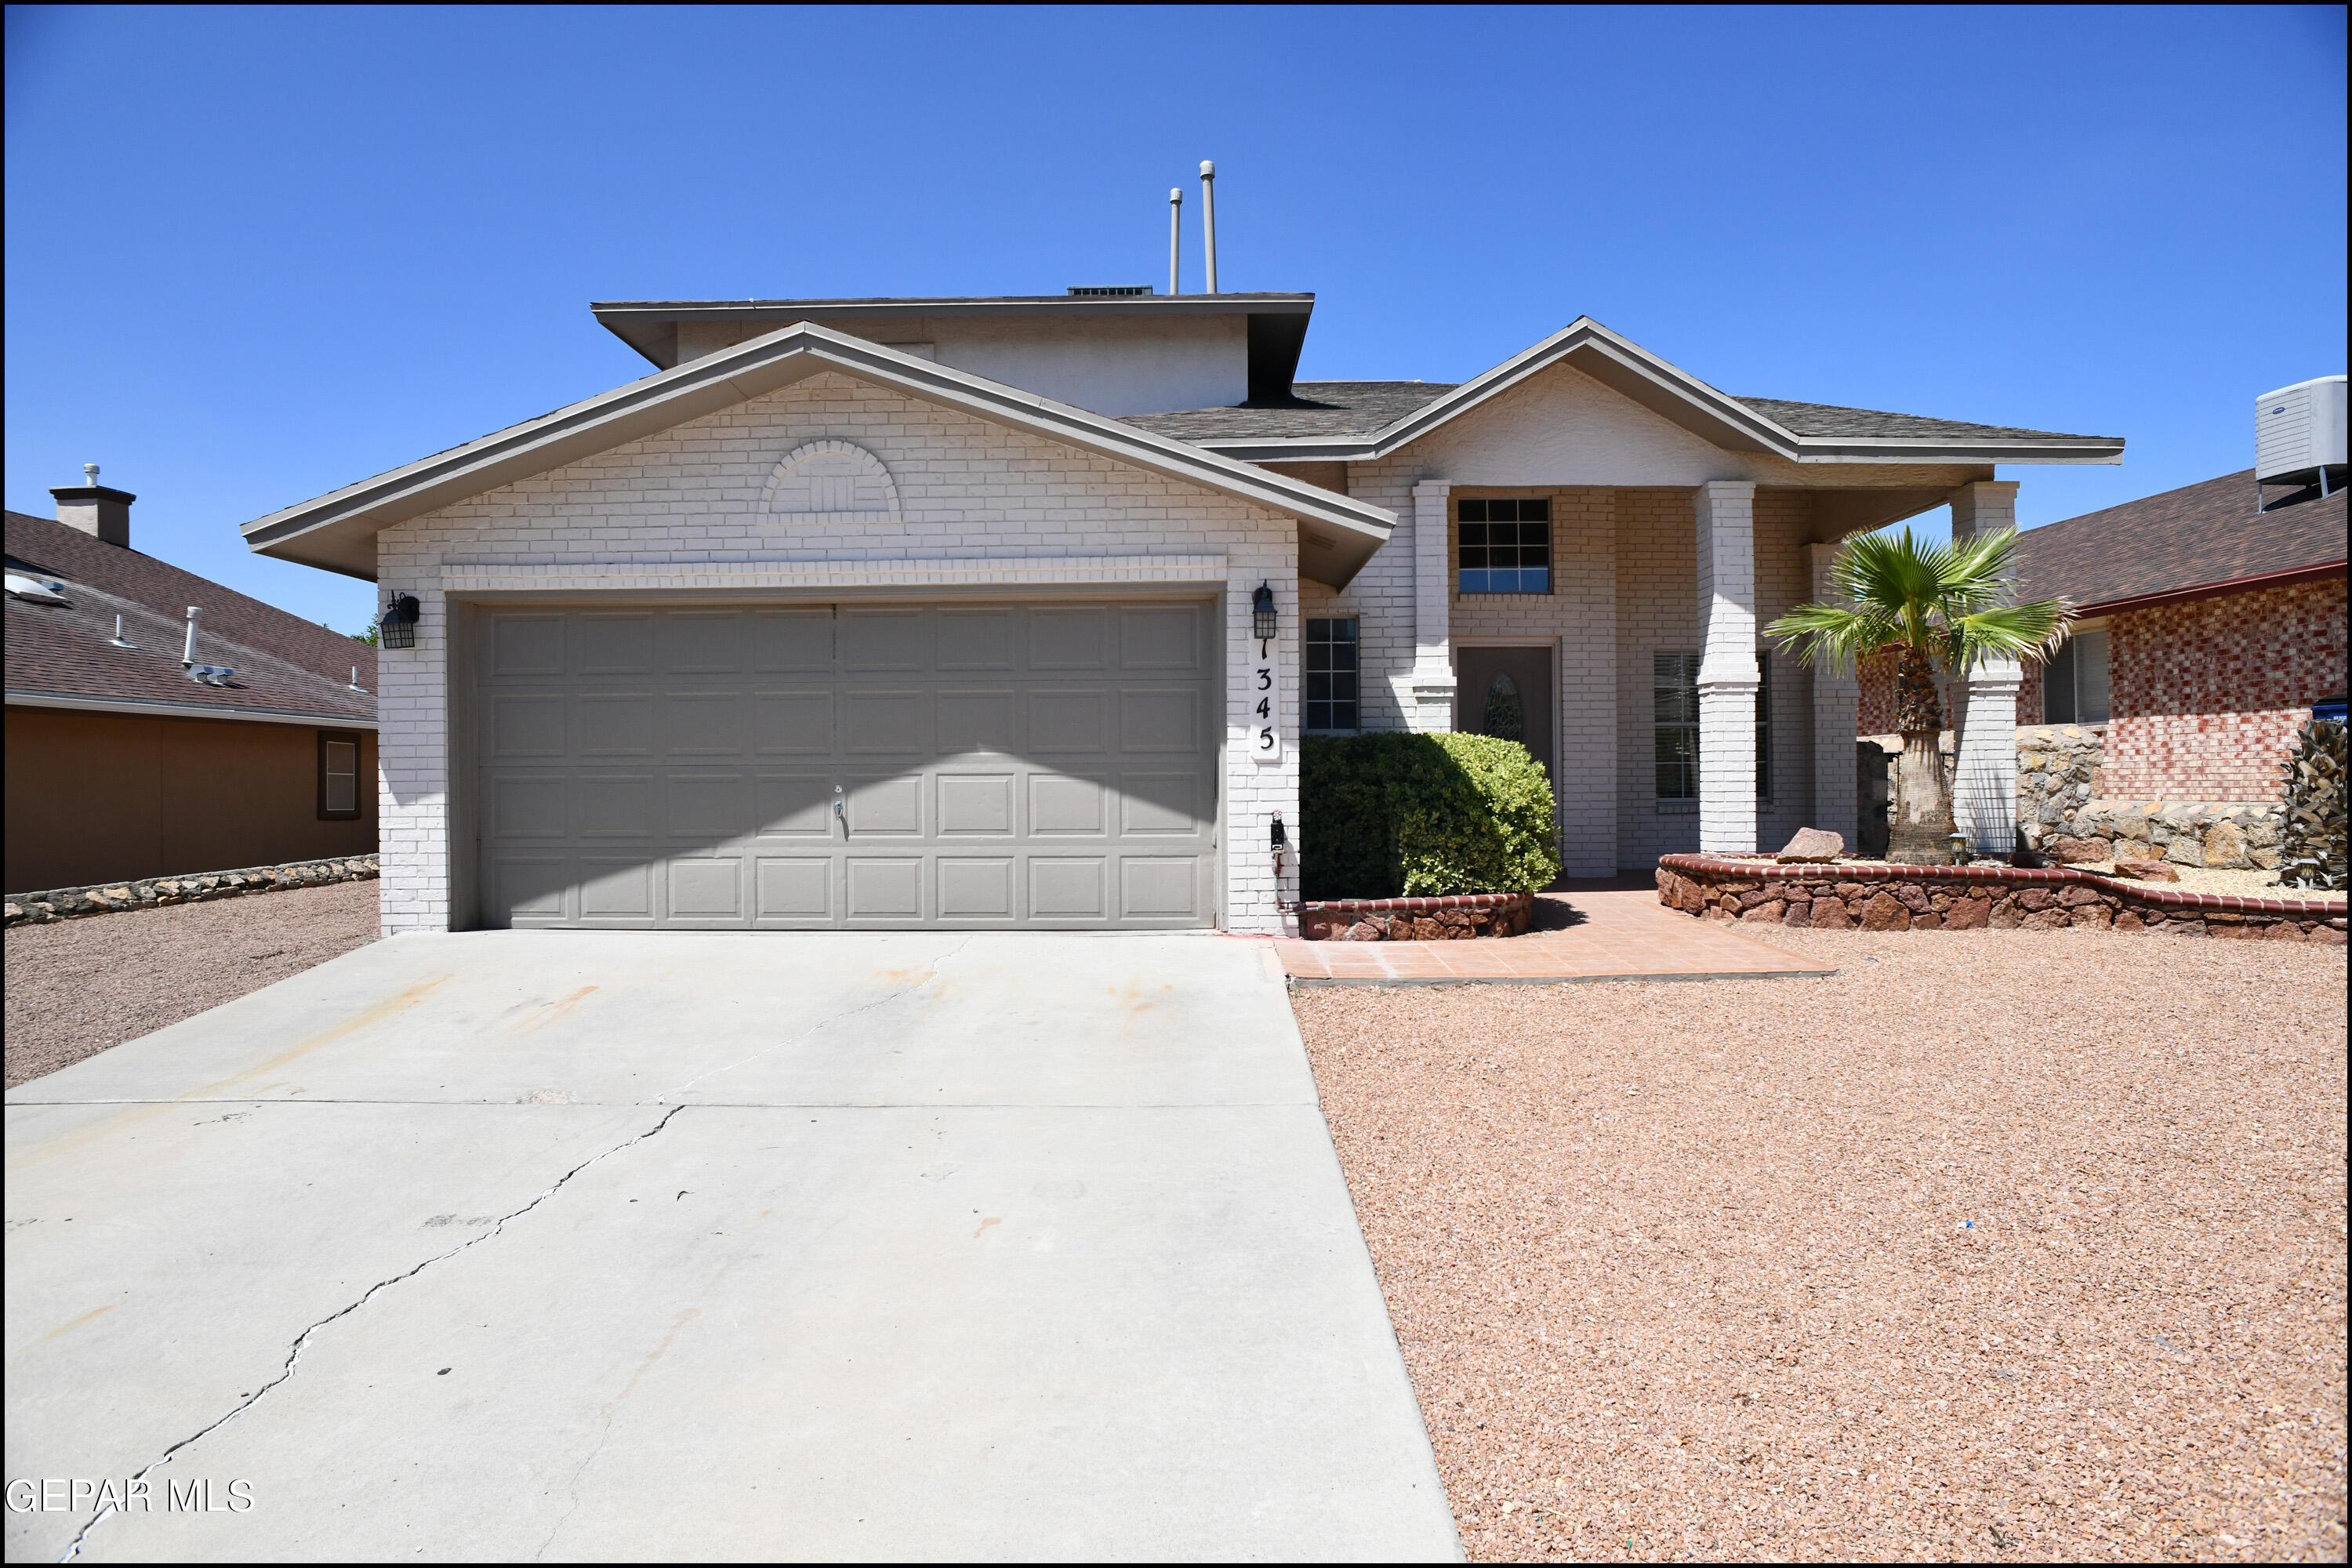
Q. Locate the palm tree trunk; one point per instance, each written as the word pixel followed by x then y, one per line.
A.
pixel 1921 833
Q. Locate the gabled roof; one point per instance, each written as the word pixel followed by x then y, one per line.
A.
pixel 64 655
pixel 1800 432
pixel 338 531
pixel 2198 542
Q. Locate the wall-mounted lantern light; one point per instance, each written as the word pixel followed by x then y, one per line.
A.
pixel 397 625
pixel 1262 612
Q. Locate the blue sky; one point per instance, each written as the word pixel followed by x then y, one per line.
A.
pixel 254 255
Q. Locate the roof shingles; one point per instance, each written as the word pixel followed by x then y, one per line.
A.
pixel 2197 536
pixel 283 663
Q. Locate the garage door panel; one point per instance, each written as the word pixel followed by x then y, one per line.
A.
pixel 1160 719
pixel 976 639
pixel 875 722
pixel 615 644
pixel 884 888
pixel 979 720
pixel 792 723
pixel 1069 639
pixel 1065 804
pixel 523 646
pixel 972 803
pixel 706 723
pixel 886 803
pixel 617 806
pixel 709 807
pixel 1160 636
pixel 792 641
pixel 524 724
pixel 795 805
pixel 1159 887
pixel 883 640
pixel 526 805
pixel 976 766
pixel 975 888
pixel 794 889
pixel 1069 720
pixel 706 889
pixel 703 642
pixel 619 724
pixel 616 891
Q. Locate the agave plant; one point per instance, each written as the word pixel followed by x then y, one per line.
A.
pixel 1941 608
pixel 2311 850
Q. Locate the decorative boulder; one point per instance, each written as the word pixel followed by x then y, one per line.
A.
pixel 2147 871
pixel 1811 845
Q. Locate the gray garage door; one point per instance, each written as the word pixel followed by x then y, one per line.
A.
pixel 1050 765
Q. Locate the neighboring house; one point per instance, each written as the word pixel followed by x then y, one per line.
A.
pixel 947 613
pixel 122 762
pixel 2211 623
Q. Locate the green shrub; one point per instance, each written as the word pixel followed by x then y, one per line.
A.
pixel 1393 813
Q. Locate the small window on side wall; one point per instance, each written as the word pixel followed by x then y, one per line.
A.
pixel 339 776
pixel 2075 681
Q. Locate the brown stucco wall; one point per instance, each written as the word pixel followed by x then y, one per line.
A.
pixel 95 797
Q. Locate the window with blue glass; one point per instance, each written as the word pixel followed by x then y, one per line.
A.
pixel 1331 674
pixel 1506 546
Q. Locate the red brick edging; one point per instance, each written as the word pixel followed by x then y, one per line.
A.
pixel 1438 917
pixel 1958 897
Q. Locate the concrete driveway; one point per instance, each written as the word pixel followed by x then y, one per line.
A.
pixel 514 1245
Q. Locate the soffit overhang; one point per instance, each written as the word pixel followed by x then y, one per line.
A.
pixel 336 532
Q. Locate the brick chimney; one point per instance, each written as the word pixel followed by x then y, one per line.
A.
pixel 102 513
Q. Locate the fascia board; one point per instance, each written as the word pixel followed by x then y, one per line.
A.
pixel 1839 450
pixel 183 710
pixel 737 375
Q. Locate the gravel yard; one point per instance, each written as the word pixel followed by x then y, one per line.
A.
pixel 2001 1245
pixel 76 987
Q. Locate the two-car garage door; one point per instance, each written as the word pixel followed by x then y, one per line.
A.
pixel 959 766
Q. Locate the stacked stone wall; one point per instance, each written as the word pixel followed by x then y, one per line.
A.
pixel 151 892
pixel 1853 897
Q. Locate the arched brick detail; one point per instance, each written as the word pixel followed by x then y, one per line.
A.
pixel 834 481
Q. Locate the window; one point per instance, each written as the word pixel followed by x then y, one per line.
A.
pixel 2075 681
pixel 1674 709
pixel 1505 717
pixel 1506 546
pixel 1673 712
pixel 1331 674
pixel 339 776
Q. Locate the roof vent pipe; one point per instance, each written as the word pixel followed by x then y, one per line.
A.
pixel 1175 232
pixel 119 639
pixel 1209 217
pixel 188 651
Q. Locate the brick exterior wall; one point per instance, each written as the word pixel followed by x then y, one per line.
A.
pixel 2206 695
pixel 967 487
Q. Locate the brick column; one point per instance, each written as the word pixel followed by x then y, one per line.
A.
pixel 1433 583
pixel 1726 671
pixel 1584 531
pixel 1984 783
pixel 1837 699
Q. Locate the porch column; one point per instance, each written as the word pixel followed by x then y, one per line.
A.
pixel 1433 635
pixel 1837 699
pixel 1984 783
pixel 1726 670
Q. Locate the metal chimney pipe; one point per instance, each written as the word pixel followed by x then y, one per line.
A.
pixel 188 653
pixel 1209 216
pixel 1175 231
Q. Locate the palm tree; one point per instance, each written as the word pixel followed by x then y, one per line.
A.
pixel 1939 606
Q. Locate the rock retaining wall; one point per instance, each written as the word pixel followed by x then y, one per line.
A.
pixel 1852 897
pixel 1454 917
pixel 147 893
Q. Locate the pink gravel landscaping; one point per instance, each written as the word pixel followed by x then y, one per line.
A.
pixel 76 987
pixel 2023 1246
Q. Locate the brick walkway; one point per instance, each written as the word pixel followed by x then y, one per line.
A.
pixel 1601 930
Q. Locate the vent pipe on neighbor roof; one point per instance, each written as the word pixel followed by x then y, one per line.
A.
pixel 1209 217
pixel 188 651
pixel 1175 231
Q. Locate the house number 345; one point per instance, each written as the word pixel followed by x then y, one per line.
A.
pixel 1266 709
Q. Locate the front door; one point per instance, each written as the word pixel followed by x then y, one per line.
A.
pixel 1507 692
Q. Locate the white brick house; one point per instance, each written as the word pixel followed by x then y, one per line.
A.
pixel 939 613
